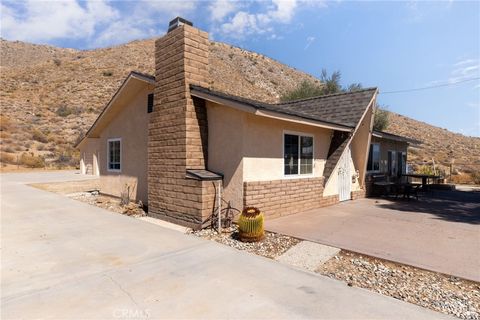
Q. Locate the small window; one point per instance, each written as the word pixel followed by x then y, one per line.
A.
pixel 298 154
pixel 374 157
pixel 150 103
pixel 114 155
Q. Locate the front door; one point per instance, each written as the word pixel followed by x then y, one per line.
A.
pixel 344 176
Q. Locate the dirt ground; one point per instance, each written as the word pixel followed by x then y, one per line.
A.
pixel 7 168
pixel 69 186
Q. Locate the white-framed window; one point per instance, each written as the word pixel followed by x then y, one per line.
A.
pixel 114 154
pixel 297 154
pixel 373 164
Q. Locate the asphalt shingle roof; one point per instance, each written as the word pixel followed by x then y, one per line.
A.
pixel 344 109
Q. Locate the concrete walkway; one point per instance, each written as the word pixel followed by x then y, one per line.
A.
pixel 440 234
pixel 65 259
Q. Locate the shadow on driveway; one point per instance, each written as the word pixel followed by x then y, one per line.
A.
pixel 455 206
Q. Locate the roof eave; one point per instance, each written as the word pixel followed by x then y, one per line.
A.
pixel 132 75
pixel 394 137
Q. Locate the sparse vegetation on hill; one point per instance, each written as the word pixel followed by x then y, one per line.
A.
pixel 50 96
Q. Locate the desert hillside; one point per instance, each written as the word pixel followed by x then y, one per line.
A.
pixel 50 96
pixel 439 145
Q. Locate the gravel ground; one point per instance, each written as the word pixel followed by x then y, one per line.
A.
pixel 109 203
pixel 273 246
pixel 435 291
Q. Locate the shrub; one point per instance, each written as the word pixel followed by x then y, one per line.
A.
pixel 475 177
pixel 425 170
pixel 8 149
pixel 39 136
pixel 5 123
pixel 64 111
pixel 7 158
pixel 381 119
pixel 32 161
pixel 305 89
pixel 57 62
pixel 107 73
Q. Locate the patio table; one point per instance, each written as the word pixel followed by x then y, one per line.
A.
pixel 424 177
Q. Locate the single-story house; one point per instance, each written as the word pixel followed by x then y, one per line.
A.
pixel 181 147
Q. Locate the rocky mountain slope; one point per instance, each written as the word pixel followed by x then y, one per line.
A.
pixel 439 145
pixel 50 96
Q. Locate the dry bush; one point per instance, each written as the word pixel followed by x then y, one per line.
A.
pixel 461 178
pixel 5 123
pixel 32 161
pixel 39 136
pixel 8 149
pixel 475 177
pixel 7 158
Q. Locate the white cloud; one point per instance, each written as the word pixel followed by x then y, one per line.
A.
pixel 284 10
pixel 41 21
pixel 171 8
pixel 267 15
pixel 219 9
pixel 310 40
pixel 464 69
pixel 105 22
pixel 97 22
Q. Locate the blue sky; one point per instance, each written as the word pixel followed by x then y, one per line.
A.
pixel 391 45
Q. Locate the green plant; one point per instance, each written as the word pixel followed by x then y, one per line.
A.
pixel 307 89
pixel 250 225
pixel 381 119
pixel 425 169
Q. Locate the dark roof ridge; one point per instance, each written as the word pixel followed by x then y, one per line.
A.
pixel 326 96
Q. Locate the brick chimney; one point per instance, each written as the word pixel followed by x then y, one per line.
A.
pixel 177 132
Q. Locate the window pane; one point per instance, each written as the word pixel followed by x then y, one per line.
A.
pixel 290 154
pixel 114 155
pixel 370 158
pixel 306 155
pixel 376 157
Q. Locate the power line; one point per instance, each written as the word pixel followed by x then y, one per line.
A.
pixel 432 87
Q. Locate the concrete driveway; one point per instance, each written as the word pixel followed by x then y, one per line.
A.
pixel 439 233
pixel 65 259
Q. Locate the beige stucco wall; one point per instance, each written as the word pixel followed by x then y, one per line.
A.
pixel 131 126
pixel 88 156
pixel 263 147
pixel 225 149
pixel 245 148
pixel 360 144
